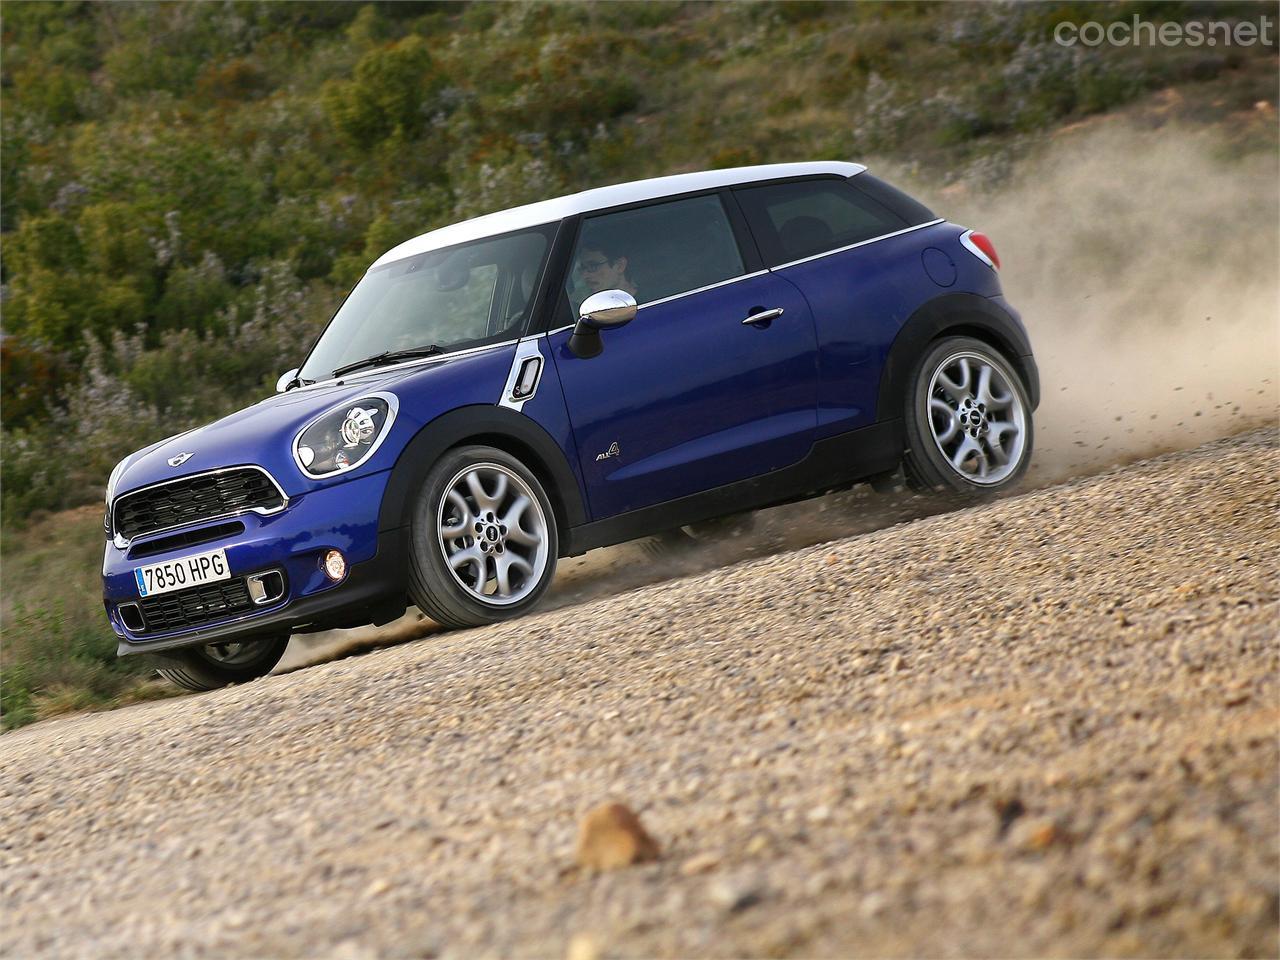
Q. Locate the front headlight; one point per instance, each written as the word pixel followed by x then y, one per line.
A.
pixel 344 437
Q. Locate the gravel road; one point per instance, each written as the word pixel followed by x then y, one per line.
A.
pixel 1044 726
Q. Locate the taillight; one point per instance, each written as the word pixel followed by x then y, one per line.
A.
pixel 980 245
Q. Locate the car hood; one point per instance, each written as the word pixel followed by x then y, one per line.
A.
pixel 261 434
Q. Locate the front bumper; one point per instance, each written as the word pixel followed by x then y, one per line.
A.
pixel 343 516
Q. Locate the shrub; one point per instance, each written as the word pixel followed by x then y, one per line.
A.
pixel 390 95
pixel 194 296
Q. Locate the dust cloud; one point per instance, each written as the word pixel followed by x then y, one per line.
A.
pixel 1145 265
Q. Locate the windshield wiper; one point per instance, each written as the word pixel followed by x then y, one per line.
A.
pixel 389 356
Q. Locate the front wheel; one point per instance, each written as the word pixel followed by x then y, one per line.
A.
pixel 968 419
pixel 484 540
pixel 217 665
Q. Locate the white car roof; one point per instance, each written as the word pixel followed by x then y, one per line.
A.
pixel 551 211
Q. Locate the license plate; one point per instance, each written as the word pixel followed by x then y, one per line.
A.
pixel 156 578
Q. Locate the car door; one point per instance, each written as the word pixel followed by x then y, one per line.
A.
pixel 851 252
pixel 687 396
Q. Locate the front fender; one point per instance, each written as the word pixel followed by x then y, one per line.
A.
pixel 496 426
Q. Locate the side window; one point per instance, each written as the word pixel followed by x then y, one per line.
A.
pixel 806 217
pixel 654 252
pixel 909 208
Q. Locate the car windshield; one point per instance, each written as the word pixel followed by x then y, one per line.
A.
pixel 454 297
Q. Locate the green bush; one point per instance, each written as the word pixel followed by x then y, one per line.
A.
pixel 390 95
pixel 58 653
pixel 194 296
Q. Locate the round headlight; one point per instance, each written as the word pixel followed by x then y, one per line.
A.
pixel 344 437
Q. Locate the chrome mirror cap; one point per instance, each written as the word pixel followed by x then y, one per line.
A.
pixel 287 380
pixel 608 308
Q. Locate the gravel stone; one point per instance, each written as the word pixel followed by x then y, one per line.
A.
pixel 611 836
pixel 1099 656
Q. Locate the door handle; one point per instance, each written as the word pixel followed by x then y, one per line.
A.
pixel 764 316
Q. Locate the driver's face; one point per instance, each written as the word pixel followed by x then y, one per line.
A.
pixel 598 272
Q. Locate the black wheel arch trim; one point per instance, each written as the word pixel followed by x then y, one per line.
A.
pixel 482 423
pixel 959 314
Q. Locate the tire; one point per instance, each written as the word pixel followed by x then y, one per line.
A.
pixel 461 576
pixel 968 420
pixel 216 665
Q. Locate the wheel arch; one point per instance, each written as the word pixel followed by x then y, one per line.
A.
pixel 530 457
pixel 954 315
pixel 493 426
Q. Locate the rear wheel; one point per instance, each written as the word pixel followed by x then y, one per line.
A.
pixel 968 420
pixel 217 665
pixel 484 540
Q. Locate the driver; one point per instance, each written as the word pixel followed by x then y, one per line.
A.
pixel 601 266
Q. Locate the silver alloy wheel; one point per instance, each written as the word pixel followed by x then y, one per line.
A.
pixel 493 534
pixel 977 418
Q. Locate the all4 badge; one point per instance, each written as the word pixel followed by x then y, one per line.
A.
pixel 613 451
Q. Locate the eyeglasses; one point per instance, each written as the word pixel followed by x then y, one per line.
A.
pixel 589 265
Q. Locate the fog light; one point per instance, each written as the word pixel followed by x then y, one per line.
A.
pixel 335 565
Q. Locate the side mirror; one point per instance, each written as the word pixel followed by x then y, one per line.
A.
pixel 287 380
pixel 600 311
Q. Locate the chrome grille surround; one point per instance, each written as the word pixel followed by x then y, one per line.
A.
pixel 226 501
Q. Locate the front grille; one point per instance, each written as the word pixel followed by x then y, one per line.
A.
pixel 204 496
pixel 194 606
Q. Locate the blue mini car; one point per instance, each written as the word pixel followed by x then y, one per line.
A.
pixel 574 373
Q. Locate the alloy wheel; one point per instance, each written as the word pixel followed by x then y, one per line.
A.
pixel 977 418
pixel 493 534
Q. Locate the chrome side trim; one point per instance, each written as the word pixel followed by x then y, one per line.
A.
pixel 123 544
pixel 526 349
pixel 676 296
pixel 709 286
pixel 860 243
pixel 393 408
pixel 417 362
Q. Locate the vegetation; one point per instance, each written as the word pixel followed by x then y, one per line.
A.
pixel 59 653
pixel 188 189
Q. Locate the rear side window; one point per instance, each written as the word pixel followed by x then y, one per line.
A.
pixel 654 252
pixel 807 217
pixel 908 208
